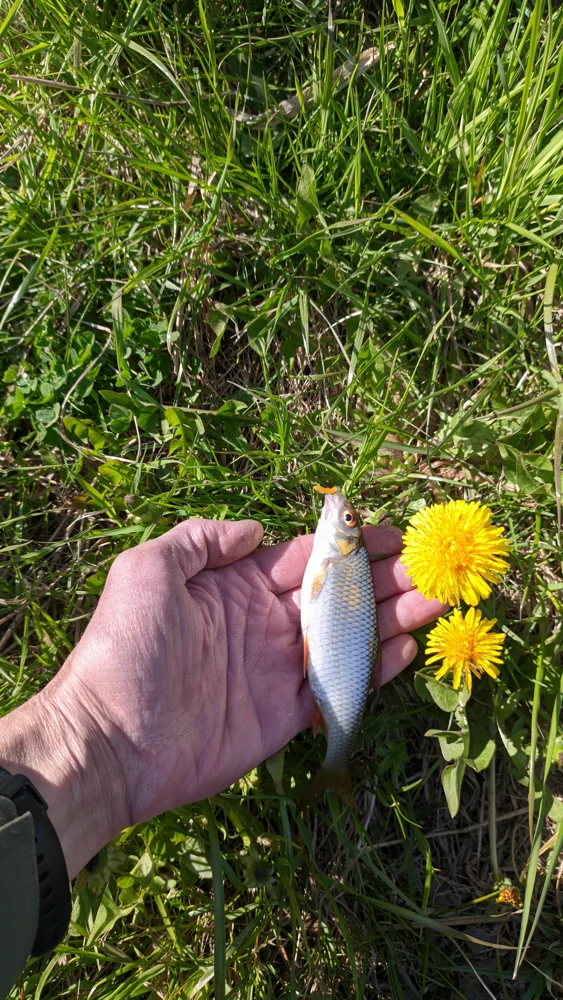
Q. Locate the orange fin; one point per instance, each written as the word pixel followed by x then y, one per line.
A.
pixel 319 579
pixel 336 781
pixel 305 654
pixel 326 489
pixel 318 723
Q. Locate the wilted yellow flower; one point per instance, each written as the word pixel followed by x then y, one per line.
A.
pixel 510 894
pixel 452 551
pixel 466 646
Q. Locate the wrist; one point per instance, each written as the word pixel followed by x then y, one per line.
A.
pixel 56 743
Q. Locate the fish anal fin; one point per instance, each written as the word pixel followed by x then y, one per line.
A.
pixel 319 724
pixel 305 654
pixel 319 578
pixel 336 780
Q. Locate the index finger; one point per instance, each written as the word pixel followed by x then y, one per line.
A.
pixel 284 565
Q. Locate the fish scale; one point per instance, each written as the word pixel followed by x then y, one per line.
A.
pixel 339 624
pixel 342 636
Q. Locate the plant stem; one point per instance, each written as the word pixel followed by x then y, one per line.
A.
pixel 492 786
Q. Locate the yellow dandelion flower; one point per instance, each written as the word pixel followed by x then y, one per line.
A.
pixel 453 552
pixel 466 646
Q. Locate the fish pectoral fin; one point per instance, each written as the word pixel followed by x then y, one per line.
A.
pixel 319 578
pixel 319 724
pixel 305 654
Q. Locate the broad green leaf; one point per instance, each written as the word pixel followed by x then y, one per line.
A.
pixel 48 414
pixel 143 870
pixel 307 193
pixel 517 471
pixel 77 427
pixel 556 811
pixel 194 860
pixel 452 743
pixel 483 759
pixel 218 321
pixel 444 697
pixel 119 399
pixel 119 418
pixel 421 687
pixel 452 778
pixel 97 439
pixel 107 915
pixel 95 583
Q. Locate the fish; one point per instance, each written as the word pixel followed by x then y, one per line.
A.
pixel 340 638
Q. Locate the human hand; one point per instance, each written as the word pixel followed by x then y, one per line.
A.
pixel 190 674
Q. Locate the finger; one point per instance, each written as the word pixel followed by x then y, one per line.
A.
pixel 284 565
pixel 390 578
pixel 407 612
pixel 383 539
pixel 396 654
pixel 198 544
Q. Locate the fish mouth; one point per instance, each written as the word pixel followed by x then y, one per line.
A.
pixel 333 497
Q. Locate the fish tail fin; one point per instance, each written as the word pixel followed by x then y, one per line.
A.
pixel 335 779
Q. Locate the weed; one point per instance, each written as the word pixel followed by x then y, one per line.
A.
pixel 211 299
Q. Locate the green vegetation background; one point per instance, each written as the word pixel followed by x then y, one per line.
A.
pixel 206 307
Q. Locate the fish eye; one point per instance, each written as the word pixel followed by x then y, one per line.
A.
pixel 349 518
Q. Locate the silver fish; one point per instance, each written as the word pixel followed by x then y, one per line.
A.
pixel 340 637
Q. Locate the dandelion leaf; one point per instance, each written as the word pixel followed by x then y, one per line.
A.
pixel 452 777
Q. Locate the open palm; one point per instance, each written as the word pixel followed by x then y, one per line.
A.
pixel 193 658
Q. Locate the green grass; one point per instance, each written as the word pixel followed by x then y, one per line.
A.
pixel 203 314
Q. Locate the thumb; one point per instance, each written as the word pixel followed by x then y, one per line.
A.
pixel 197 544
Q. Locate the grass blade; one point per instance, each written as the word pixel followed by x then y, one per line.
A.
pixel 556 372
pixel 534 726
pixel 558 841
pixel 10 16
pixel 219 955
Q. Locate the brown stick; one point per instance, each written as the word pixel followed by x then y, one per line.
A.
pixel 342 74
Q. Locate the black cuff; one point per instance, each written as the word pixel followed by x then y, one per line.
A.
pixel 54 888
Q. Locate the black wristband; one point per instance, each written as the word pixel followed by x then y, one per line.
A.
pixel 54 888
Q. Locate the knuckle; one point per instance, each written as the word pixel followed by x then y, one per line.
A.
pixel 127 562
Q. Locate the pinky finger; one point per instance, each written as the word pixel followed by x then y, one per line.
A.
pixel 396 654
